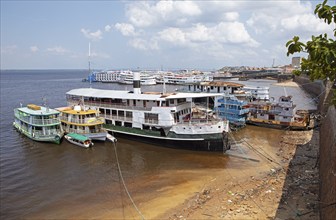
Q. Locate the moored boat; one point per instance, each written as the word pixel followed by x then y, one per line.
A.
pixel 79 140
pixel 83 120
pixel 165 119
pixel 38 123
pixel 279 114
pixel 145 79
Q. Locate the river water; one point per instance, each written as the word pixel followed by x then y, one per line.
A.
pixel 48 181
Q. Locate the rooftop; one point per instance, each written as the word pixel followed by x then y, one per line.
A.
pixel 117 94
pixel 38 111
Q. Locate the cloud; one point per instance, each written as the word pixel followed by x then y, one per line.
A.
pixel 305 22
pixel 95 36
pixel 142 44
pixel 125 29
pixel 107 28
pixel 231 16
pixel 10 49
pixel 285 16
pixel 57 50
pixel 100 55
pixel 224 32
pixel 173 35
pixel 146 14
pixel 34 49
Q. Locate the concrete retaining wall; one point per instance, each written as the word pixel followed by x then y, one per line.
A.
pixel 327 148
pixel 327 165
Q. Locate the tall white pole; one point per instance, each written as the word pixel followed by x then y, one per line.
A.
pixel 89 57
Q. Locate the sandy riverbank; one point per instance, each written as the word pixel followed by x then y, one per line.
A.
pixel 287 189
pixel 287 84
pixel 278 180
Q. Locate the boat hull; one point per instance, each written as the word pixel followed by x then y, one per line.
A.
pixel 287 126
pixel 77 143
pixel 196 144
pixel 56 139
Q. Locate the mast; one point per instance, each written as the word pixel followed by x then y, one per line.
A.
pixel 89 57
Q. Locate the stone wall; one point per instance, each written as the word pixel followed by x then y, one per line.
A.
pixel 327 148
pixel 314 88
pixel 327 165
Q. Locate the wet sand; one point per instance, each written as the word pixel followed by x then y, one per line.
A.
pixel 272 189
pixel 241 188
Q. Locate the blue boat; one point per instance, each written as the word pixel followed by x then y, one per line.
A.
pixel 232 109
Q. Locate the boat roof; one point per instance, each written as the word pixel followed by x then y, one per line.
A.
pixel 120 94
pixel 38 111
pixel 217 83
pixel 78 136
pixel 70 110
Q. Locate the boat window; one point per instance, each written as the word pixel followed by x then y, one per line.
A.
pixel 151 118
pixel 171 101
pixel 121 113
pixel 129 114
pixel 128 124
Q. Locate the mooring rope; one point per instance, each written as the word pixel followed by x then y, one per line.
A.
pixel 123 182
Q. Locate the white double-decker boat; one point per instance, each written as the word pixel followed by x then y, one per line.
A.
pixel 165 119
pixel 145 79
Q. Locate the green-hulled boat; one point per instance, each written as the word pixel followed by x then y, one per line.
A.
pixel 38 123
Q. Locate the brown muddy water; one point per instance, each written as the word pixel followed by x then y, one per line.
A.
pixel 48 181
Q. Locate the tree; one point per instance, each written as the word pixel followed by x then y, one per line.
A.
pixel 321 61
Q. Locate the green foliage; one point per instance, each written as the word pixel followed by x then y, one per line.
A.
pixel 326 12
pixel 321 61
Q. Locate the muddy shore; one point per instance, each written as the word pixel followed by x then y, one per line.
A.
pixel 285 188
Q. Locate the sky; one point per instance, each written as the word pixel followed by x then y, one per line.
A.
pixel 153 34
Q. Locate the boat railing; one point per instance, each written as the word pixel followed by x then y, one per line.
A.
pixel 234 111
pixel 80 131
pixel 120 118
pixel 35 121
pixel 151 121
pixel 49 133
pixel 90 121
pixel 110 105
pixel 203 121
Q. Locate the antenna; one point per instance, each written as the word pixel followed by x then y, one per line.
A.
pixel 273 62
pixel 89 60
pixel 89 57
